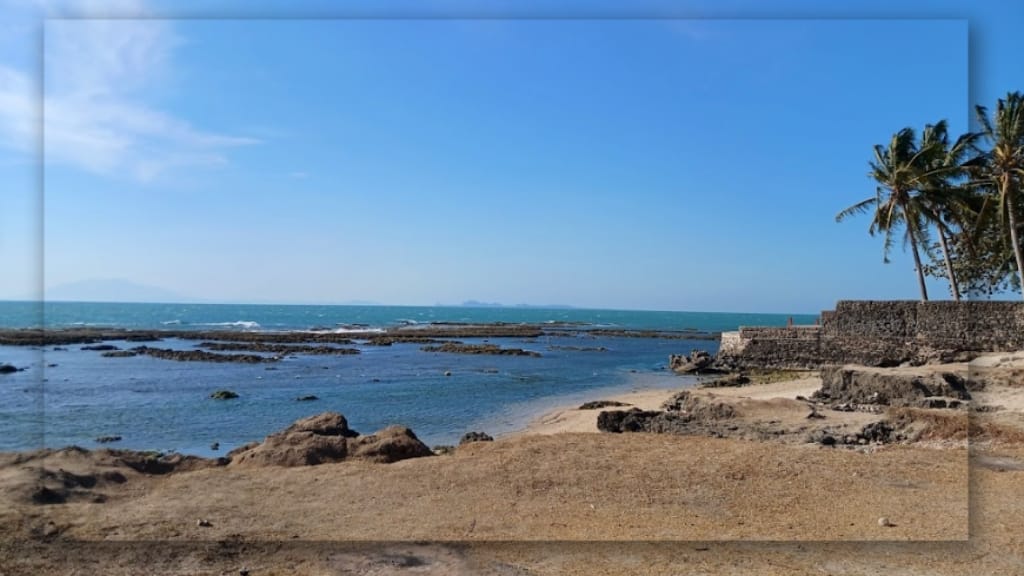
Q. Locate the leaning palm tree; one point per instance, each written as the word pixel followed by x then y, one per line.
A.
pixel 902 170
pixel 944 201
pixel 1001 171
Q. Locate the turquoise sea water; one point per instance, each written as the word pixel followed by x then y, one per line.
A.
pixel 67 395
pixel 300 317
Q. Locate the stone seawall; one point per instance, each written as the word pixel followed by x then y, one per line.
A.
pixel 879 333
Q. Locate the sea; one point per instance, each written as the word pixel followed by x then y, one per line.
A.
pixel 65 395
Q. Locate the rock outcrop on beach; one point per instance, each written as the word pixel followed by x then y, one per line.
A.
pixel 470 437
pixel 325 438
pixel 699 361
pixel 847 386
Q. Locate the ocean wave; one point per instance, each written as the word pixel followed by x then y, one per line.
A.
pixel 171 322
pixel 356 330
pixel 247 324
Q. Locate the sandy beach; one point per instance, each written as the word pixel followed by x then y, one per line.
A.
pixel 535 502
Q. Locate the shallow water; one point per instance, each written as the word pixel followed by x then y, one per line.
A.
pixel 71 396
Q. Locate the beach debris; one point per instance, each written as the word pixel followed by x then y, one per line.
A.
pixel 470 437
pixel 224 395
pixel 204 523
pixel 885 522
pixel 443 449
pixel 243 572
pixel 815 415
pixel 107 439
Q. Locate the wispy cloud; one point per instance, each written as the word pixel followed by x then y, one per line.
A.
pixel 299 175
pixel 95 111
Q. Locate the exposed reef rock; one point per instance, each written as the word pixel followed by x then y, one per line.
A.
pixel 852 386
pixel 201 356
pixel 470 437
pixel 457 348
pixel 698 362
pixel 327 438
pixel 224 395
pixel 281 349
pixel 729 381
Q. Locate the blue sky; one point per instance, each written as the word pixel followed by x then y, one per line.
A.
pixel 674 164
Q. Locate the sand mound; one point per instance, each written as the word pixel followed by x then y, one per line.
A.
pixel 327 438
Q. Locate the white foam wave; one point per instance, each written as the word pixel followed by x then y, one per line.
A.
pixel 247 324
pixel 171 322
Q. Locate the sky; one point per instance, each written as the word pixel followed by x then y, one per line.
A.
pixel 583 154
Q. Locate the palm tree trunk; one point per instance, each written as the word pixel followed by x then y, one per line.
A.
pixel 949 267
pixel 912 233
pixel 1007 193
pixel 920 272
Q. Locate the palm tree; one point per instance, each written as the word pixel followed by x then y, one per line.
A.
pixel 943 202
pixel 906 174
pixel 1001 170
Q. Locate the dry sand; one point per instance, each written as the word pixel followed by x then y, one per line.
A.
pixel 802 508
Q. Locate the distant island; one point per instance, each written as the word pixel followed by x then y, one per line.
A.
pixel 479 304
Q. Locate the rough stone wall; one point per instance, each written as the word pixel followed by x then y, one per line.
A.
pixel 884 333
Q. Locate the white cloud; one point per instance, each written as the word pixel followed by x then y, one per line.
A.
pixel 96 115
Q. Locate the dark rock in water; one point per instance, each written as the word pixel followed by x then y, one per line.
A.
pixel 100 348
pixel 119 354
pixel 327 438
pixel 597 404
pixel 108 439
pixel 215 446
pixel 307 398
pixel 281 349
pixel 459 348
pixel 202 356
pixel 224 395
pixel 7 369
pixel 52 365
pixel 469 437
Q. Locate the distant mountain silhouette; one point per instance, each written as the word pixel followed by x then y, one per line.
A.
pixel 113 290
pixel 479 304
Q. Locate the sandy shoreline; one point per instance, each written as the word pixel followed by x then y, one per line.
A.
pixel 570 418
pixel 557 480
